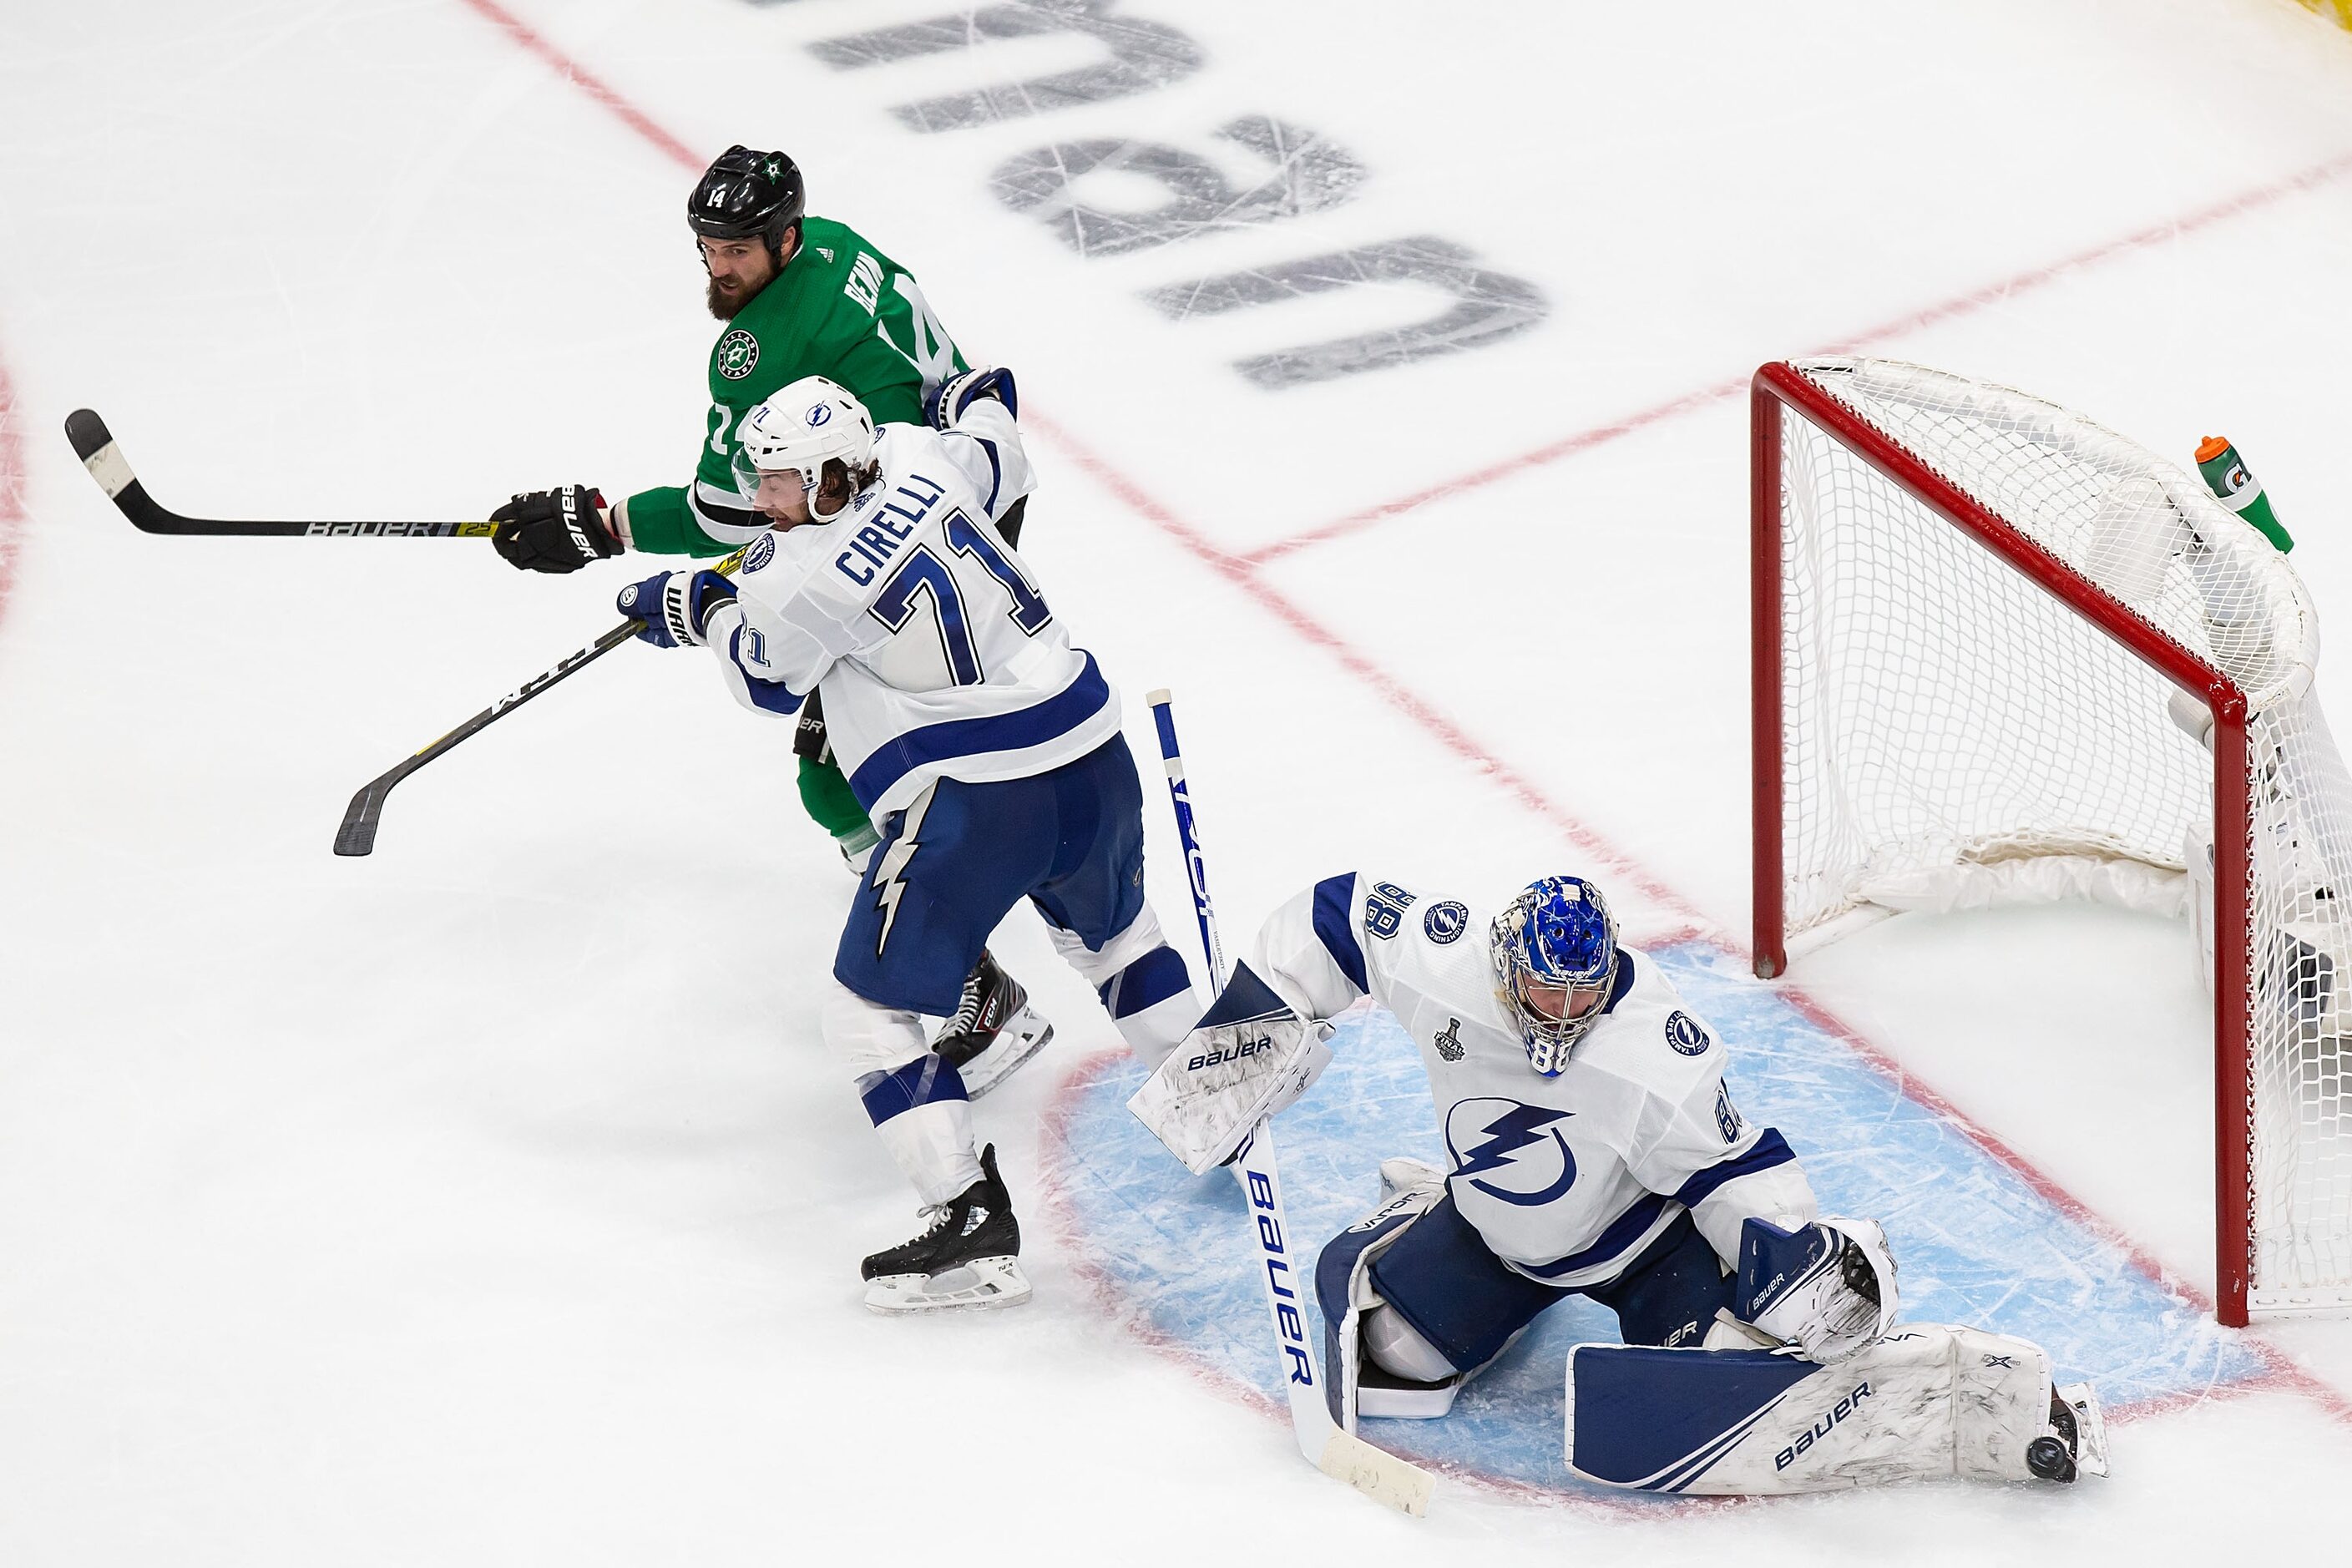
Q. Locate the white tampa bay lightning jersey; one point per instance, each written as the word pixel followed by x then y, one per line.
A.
pixel 1566 1178
pixel 936 654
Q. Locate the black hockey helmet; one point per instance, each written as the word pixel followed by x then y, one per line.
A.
pixel 746 194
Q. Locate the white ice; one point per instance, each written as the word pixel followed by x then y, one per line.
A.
pixel 493 1199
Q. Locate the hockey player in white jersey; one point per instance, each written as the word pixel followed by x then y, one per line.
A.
pixel 1593 1149
pixel 985 746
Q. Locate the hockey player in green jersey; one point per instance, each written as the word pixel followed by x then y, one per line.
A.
pixel 798 295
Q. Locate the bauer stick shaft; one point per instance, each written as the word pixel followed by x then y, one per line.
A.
pixel 366 814
pixel 1375 1473
pixel 95 445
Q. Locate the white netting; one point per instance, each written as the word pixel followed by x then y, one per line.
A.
pixel 1953 734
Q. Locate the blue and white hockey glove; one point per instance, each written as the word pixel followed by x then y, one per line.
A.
pixel 943 405
pixel 1827 1288
pixel 675 605
pixel 1249 1057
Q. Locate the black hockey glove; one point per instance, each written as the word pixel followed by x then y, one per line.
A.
pixel 808 735
pixel 554 531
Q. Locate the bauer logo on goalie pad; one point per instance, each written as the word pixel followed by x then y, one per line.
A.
pixel 1445 922
pixel 1823 1427
pixel 1682 1033
pixel 739 352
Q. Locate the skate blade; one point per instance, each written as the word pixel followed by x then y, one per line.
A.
pixel 983 1284
pixel 1015 1043
pixel 2090 1428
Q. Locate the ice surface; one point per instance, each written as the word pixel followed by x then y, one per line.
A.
pixel 494 1200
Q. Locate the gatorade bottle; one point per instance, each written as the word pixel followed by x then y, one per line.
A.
pixel 2226 476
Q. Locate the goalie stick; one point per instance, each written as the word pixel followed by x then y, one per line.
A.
pixel 95 445
pixel 366 814
pixel 1377 1473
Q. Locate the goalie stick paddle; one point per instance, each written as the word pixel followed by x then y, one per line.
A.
pixel 1377 1473
pixel 95 445
pixel 366 814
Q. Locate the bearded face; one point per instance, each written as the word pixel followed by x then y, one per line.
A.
pixel 739 269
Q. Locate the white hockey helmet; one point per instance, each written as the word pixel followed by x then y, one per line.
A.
pixel 801 427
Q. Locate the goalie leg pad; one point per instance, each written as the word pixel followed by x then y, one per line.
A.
pixel 1927 1401
pixel 1463 1301
pixel 1375 1363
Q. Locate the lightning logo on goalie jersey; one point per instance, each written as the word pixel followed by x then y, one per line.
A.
pixel 1566 1179
pixel 1519 1138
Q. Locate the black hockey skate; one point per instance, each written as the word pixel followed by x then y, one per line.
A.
pixel 995 1030
pixel 968 1255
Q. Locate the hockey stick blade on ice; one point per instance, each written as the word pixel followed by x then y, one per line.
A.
pixel 95 445
pixel 1377 1474
pixel 366 814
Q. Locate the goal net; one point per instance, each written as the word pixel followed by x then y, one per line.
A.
pixel 2001 653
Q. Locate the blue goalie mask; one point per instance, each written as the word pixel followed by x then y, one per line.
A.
pixel 1554 949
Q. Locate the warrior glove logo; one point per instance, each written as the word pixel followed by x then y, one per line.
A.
pixel 1516 1144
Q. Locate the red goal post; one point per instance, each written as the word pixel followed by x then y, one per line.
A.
pixel 1968 609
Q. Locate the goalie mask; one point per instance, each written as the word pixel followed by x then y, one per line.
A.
pixel 800 429
pixel 1554 949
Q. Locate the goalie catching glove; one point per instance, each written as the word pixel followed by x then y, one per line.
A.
pixel 1249 1057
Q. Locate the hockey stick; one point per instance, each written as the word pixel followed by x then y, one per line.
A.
pixel 94 443
pixel 1377 1473
pixel 366 814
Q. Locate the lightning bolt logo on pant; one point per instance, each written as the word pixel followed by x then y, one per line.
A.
pixel 891 865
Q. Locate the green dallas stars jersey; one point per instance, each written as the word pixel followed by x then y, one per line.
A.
pixel 841 310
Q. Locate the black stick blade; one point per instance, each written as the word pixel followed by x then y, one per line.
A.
pixel 365 815
pixel 88 432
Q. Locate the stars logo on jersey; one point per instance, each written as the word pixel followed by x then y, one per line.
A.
pixel 1516 1144
pixel 762 551
pixel 1445 922
pixel 1449 1044
pixel 1682 1033
pixel 739 352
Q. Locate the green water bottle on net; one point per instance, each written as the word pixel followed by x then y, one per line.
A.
pixel 2225 474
